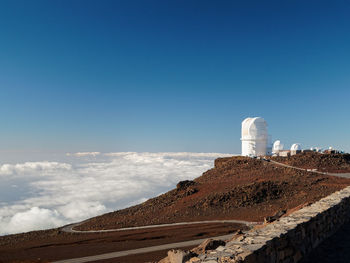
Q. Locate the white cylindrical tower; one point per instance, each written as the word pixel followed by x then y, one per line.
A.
pixel 254 137
pixel 277 147
pixel 296 147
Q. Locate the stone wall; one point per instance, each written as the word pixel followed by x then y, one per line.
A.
pixel 288 239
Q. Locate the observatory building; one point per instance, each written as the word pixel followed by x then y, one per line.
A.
pixel 296 147
pixel 257 142
pixel 255 139
pixel 277 147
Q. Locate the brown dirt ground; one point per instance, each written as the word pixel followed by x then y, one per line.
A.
pixel 333 163
pixel 51 245
pixel 141 258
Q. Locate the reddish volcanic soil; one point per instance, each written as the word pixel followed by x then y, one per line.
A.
pixel 333 163
pixel 236 188
pixel 54 245
pixel 141 258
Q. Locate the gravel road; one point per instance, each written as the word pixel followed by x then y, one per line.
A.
pixel 139 250
pixel 70 228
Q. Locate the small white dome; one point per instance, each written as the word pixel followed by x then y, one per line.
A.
pixel 296 147
pixel 277 146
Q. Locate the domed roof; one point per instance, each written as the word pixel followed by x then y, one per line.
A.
pixel 277 146
pixel 296 147
pixel 254 128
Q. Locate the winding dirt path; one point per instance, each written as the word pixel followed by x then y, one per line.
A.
pixel 70 228
pixel 111 255
pixel 345 175
pixel 139 250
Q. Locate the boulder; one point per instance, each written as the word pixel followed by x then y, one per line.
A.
pixel 276 216
pixel 178 256
pixel 208 244
pixel 182 185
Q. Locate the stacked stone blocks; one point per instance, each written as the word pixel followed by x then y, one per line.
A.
pixel 289 239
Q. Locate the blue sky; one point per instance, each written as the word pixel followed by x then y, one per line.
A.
pixel 172 75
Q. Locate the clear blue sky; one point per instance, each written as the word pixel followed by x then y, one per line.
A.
pixel 172 75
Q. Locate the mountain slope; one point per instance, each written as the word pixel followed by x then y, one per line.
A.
pixel 236 188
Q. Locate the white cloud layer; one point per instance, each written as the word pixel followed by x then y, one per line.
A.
pixel 41 218
pixel 84 154
pixel 32 167
pixel 41 195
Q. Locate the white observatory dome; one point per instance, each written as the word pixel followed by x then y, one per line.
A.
pixel 277 146
pixel 254 137
pixel 296 147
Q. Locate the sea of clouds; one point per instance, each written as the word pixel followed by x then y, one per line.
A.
pixel 47 194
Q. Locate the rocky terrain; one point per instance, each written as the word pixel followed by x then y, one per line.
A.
pixel 236 188
pixel 333 163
